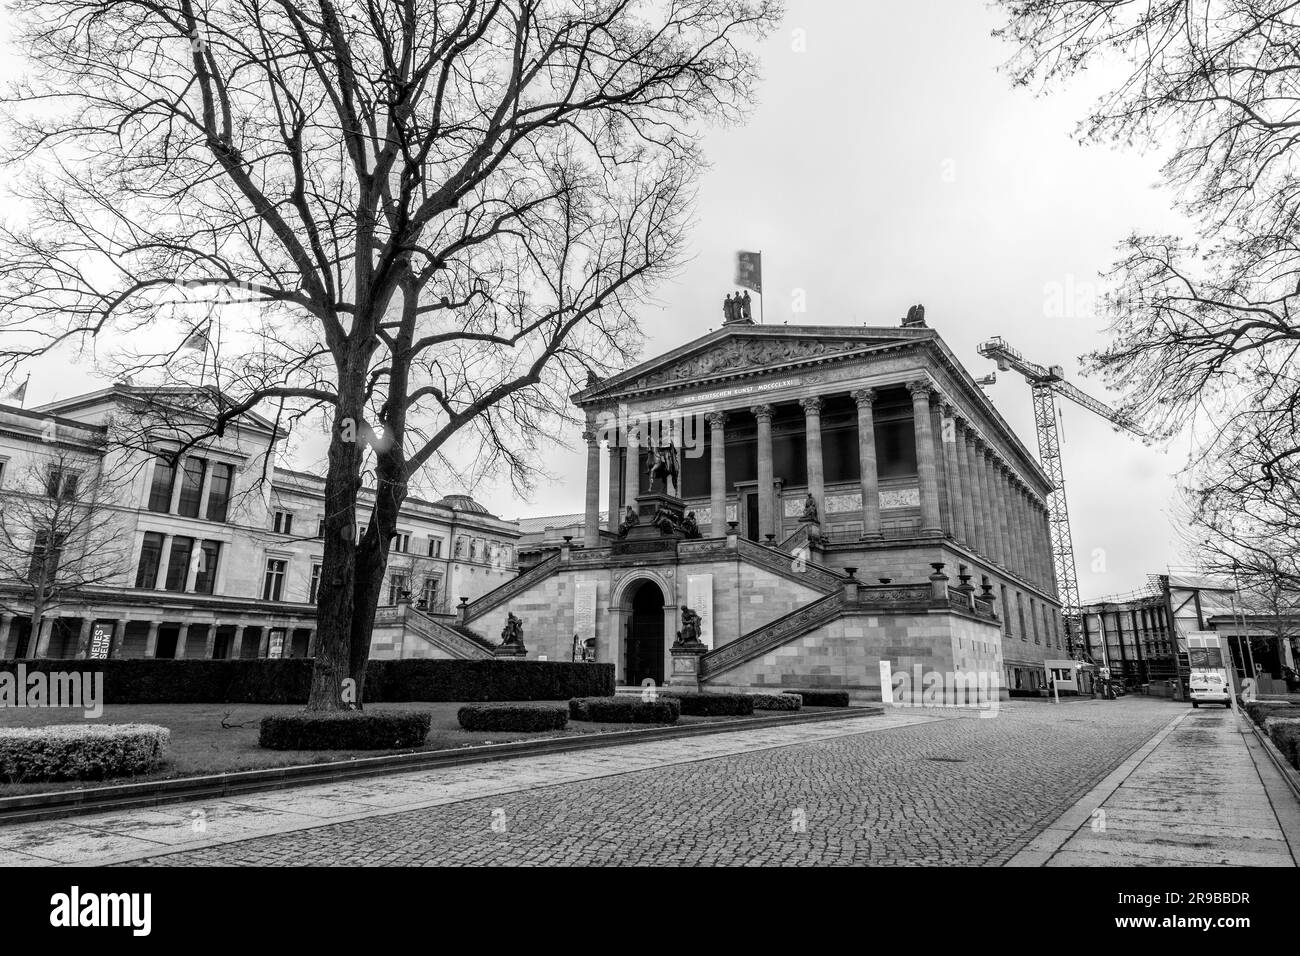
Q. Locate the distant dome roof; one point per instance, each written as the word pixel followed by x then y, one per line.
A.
pixel 463 503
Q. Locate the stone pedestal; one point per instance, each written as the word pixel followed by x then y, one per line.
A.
pixel 651 504
pixel 686 666
pixel 516 652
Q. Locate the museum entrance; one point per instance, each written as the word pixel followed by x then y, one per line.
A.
pixel 645 635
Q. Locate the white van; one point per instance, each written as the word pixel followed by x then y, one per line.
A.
pixel 1209 680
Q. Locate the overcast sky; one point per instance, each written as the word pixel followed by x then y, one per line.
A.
pixel 889 162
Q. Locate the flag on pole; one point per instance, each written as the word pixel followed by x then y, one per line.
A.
pixel 19 394
pixel 749 271
pixel 197 340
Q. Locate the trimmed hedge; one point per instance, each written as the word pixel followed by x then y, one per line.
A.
pixel 777 701
pixel 1261 710
pixel 81 751
pixel 499 717
pixel 822 698
pixel 714 705
pixel 626 710
pixel 1285 734
pixel 287 681
pixel 345 730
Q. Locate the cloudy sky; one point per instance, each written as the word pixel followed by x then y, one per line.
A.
pixel 889 162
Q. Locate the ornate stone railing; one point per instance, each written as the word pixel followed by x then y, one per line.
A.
pixel 445 637
pixel 790 566
pixel 900 596
pixel 798 539
pixel 498 596
pixel 761 640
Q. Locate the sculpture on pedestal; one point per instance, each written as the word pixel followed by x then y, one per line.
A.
pixel 690 526
pixel 662 468
pixel 630 521
pixel 691 627
pixel 809 508
pixel 512 635
pixel 664 520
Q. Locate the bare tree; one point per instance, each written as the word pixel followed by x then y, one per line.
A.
pixel 1204 333
pixel 442 213
pixel 59 535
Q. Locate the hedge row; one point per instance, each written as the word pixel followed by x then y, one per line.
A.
pixel 345 730
pixel 1285 734
pixel 715 705
pixel 81 751
pixel 287 681
pixel 822 698
pixel 510 717
pixel 777 701
pixel 626 710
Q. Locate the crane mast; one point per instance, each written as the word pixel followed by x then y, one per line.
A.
pixel 1045 383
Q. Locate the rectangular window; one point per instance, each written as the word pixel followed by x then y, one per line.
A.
pixel 146 575
pixel 3 463
pixel 402 542
pixel 219 491
pixel 314 587
pixel 178 563
pixel 397 583
pixel 61 483
pixel 435 547
pixel 273 583
pixel 47 549
pixel 283 522
pixel 191 487
pixel 429 593
pixel 209 555
pixel 1020 615
pixel 160 493
pixel 320 527
pixel 1006 611
pixel 1033 614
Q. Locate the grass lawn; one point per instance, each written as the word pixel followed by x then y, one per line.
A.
pixel 201 745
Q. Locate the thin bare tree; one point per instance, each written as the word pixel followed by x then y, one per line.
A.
pixel 425 220
pixel 59 536
pixel 1204 332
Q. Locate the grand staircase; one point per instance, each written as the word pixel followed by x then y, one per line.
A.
pixel 455 640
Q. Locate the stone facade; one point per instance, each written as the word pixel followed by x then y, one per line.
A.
pixel 251 593
pixel 908 467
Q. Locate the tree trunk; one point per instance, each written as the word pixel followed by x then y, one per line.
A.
pixel 334 601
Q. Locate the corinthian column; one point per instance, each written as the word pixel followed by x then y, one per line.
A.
pixel 632 473
pixel 766 479
pixel 952 468
pixel 927 474
pixel 965 487
pixel 718 473
pixel 812 417
pixel 614 489
pixel 941 476
pixel 979 492
pixel 1000 474
pixel 591 519
pixel 992 502
pixel 869 479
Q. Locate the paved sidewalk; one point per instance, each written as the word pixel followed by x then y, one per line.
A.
pixel 1200 793
pixel 118 837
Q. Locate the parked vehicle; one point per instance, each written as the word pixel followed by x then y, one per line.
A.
pixel 1209 678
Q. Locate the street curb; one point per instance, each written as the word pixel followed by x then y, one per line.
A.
pixel 1057 833
pixel 29 808
pixel 1288 773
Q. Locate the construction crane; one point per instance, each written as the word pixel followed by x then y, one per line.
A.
pixel 1045 384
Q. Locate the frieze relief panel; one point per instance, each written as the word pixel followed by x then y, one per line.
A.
pixel 900 498
pixel 742 355
pixel 843 504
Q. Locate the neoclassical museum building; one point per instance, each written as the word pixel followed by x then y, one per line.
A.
pixel 824 498
pixel 845 495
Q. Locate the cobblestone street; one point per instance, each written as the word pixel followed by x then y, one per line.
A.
pixel 960 790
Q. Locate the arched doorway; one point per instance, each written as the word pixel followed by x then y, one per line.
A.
pixel 645 635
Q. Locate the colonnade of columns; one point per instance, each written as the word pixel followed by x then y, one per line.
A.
pixel 967 489
pixel 39 644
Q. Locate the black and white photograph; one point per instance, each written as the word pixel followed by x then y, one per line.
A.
pixel 400 465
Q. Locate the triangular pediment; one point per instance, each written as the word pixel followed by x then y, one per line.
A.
pixel 746 350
